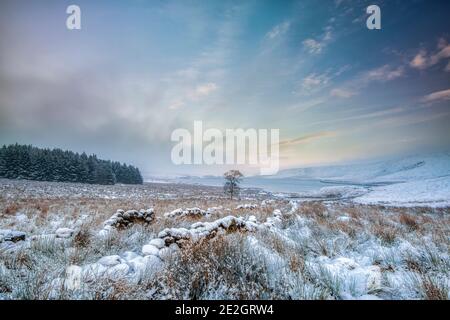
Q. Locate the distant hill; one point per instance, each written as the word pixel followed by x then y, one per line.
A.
pixel 32 163
pixel 399 169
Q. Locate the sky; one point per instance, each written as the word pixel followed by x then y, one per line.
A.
pixel 137 70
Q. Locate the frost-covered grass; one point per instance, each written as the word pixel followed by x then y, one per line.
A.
pixel 298 250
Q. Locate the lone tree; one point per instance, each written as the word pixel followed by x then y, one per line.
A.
pixel 232 181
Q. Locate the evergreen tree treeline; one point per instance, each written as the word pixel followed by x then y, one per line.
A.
pixel 28 162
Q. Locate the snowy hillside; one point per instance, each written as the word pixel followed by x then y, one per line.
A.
pixel 409 181
pixel 394 170
pixel 427 192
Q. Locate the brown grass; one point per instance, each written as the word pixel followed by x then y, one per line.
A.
pixel 351 228
pixel 82 238
pixel 210 263
pixel 386 233
pixel 314 209
pixel 432 290
pixel 354 212
pixel 296 263
pixel 11 209
pixel 409 221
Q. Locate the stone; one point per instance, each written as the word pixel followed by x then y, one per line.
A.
pixel 129 255
pixel 12 235
pixel 150 249
pixel 165 253
pixel 343 219
pixel 92 271
pixel 145 265
pixel 132 213
pixel 110 261
pixel 73 277
pixel 152 263
pixel 104 233
pixel 158 243
pixel 137 264
pixel 120 270
pixel 64 232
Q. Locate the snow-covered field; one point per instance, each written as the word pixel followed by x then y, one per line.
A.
pixel 401 169
pixel 175 241
pixel 429 192
pixel 421 180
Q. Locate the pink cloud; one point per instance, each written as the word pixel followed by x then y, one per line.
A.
pixel 437 96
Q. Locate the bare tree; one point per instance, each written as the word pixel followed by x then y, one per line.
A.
pixel 232 181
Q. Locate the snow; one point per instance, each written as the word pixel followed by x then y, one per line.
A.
pixel 200 230
pixel 150 249
pixel 21 218
pixel 294 206
pixel 129 266
pixel 267 202
pixel 93 271
pixel 118 271
pixel 345 265
pixel 343 219
pixel 429 192
pixel 152 263
pixel 392 170
pixel 165 253
pixel 73 277
pixel 213 209
pixel 158 243
pixel 421 180
pixel 247 206
pixel 64 232
pixel 11 235
pixel 338 192
pixel 129 255
pixel 43 237
pixel 122 219
pixel 352 279
pixel 186 212
pixel 145 264
pixel 110 261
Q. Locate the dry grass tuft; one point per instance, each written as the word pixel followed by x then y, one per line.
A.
pixel 349 228
pixel 432 290
pixel 82 238
pixel 296 263
pixel 11 209
pixel 314 209
pixel 222 263
pixel 386 233
pixel 409 221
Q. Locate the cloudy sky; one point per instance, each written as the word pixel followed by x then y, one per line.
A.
pixel 140 69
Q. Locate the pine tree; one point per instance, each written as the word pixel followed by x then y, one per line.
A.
pixel 28 162
pixel 3 161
